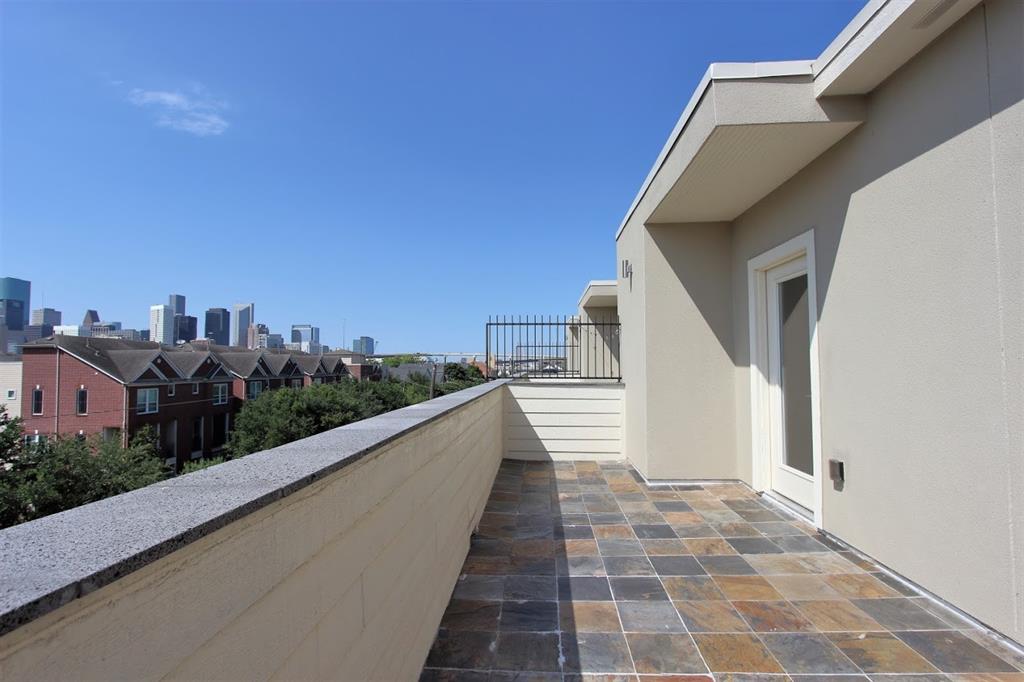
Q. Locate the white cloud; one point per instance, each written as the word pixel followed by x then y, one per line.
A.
pixel 194 112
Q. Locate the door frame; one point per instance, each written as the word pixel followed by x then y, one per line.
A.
pixel 760 416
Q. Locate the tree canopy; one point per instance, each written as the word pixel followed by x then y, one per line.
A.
pixel 39 479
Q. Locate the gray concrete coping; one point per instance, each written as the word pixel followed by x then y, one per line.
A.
pixel 50 562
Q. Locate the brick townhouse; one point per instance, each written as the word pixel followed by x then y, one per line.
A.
pixel 188 394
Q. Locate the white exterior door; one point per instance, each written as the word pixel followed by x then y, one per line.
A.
pixel 790 325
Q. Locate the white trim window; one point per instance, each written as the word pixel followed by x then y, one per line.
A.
pixel 147 401
pixel 37 400
pixel 195 388
pixel 170 390
pixel 220 394
pixel 254 389
pixel 12 393
pixel 82 401
pixel 296 383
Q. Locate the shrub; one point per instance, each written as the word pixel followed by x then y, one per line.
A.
pixel 66 472
pixel 200 464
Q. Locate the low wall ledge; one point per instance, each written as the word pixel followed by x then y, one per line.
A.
pixel 49 562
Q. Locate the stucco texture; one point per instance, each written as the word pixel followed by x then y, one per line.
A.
pixel 919 248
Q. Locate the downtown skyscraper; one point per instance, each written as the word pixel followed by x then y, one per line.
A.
pixel 244 315
pixel 218 326
pixel 161 324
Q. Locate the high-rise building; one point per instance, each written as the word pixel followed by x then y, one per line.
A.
pixel 218 326
pixel 15 297
pixel 106 332
pixel 305 332
pixel 38 331
pixel 269 341
pixel 143 335
pixel 161 324
pixel 244 314
pixel 185 328
pixel 72 330
pixel 102 328
pixel 177 303
pixel 46 316
pixel 308 338
pixel 253 333
pixel 91 317
pixel 364 345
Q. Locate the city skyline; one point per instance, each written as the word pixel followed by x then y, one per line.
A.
pixel 513 146
pixel 175 302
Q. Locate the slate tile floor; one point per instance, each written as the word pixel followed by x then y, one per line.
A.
pixel 580 571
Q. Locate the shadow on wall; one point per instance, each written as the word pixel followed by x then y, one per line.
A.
pixel 937 97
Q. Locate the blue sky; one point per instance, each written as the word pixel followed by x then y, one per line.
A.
pixel 410 168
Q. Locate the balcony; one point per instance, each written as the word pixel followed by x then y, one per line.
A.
pixel 421 543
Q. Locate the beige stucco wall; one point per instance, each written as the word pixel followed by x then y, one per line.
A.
pixel 919 240
pixel 552 420
pixel 690 401
pixel 599 347
pixel 346 579
pixel 632 307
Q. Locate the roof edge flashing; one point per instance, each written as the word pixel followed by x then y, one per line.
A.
pixel 595 284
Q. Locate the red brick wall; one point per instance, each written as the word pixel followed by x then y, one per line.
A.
pixel 105 395
pixel 179 411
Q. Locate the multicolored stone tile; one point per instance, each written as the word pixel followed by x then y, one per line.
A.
pixel 711 616
pixel 663 653
pixel 773 616
pixel 880 652
pixel 746 587
pixel 582 572
pixel 738 653
pixel 836 615
pixel 952 652
pixel 807 653
pixel 589 616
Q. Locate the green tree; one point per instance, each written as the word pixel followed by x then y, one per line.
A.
pixel 288 414
pixel 404 359
pixel 457 371
pixel 285 415
pixel 44 478
pixel 10 449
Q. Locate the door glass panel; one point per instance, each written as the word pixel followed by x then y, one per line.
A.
pixel 795 354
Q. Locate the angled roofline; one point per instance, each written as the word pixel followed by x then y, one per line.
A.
pixel 871 28
pixel 849 32
pixel 78 357
pixel 716 71
pixel 595 283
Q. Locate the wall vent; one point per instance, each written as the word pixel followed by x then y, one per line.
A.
pixel 935 12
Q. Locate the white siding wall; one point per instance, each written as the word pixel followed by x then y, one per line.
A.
pixel 547 420
pixel 10 379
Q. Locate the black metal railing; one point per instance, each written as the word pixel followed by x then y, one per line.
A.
pixel 552 346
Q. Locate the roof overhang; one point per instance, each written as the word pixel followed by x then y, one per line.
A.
pixel 599 293
pixel 749 128
pixel 880 39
